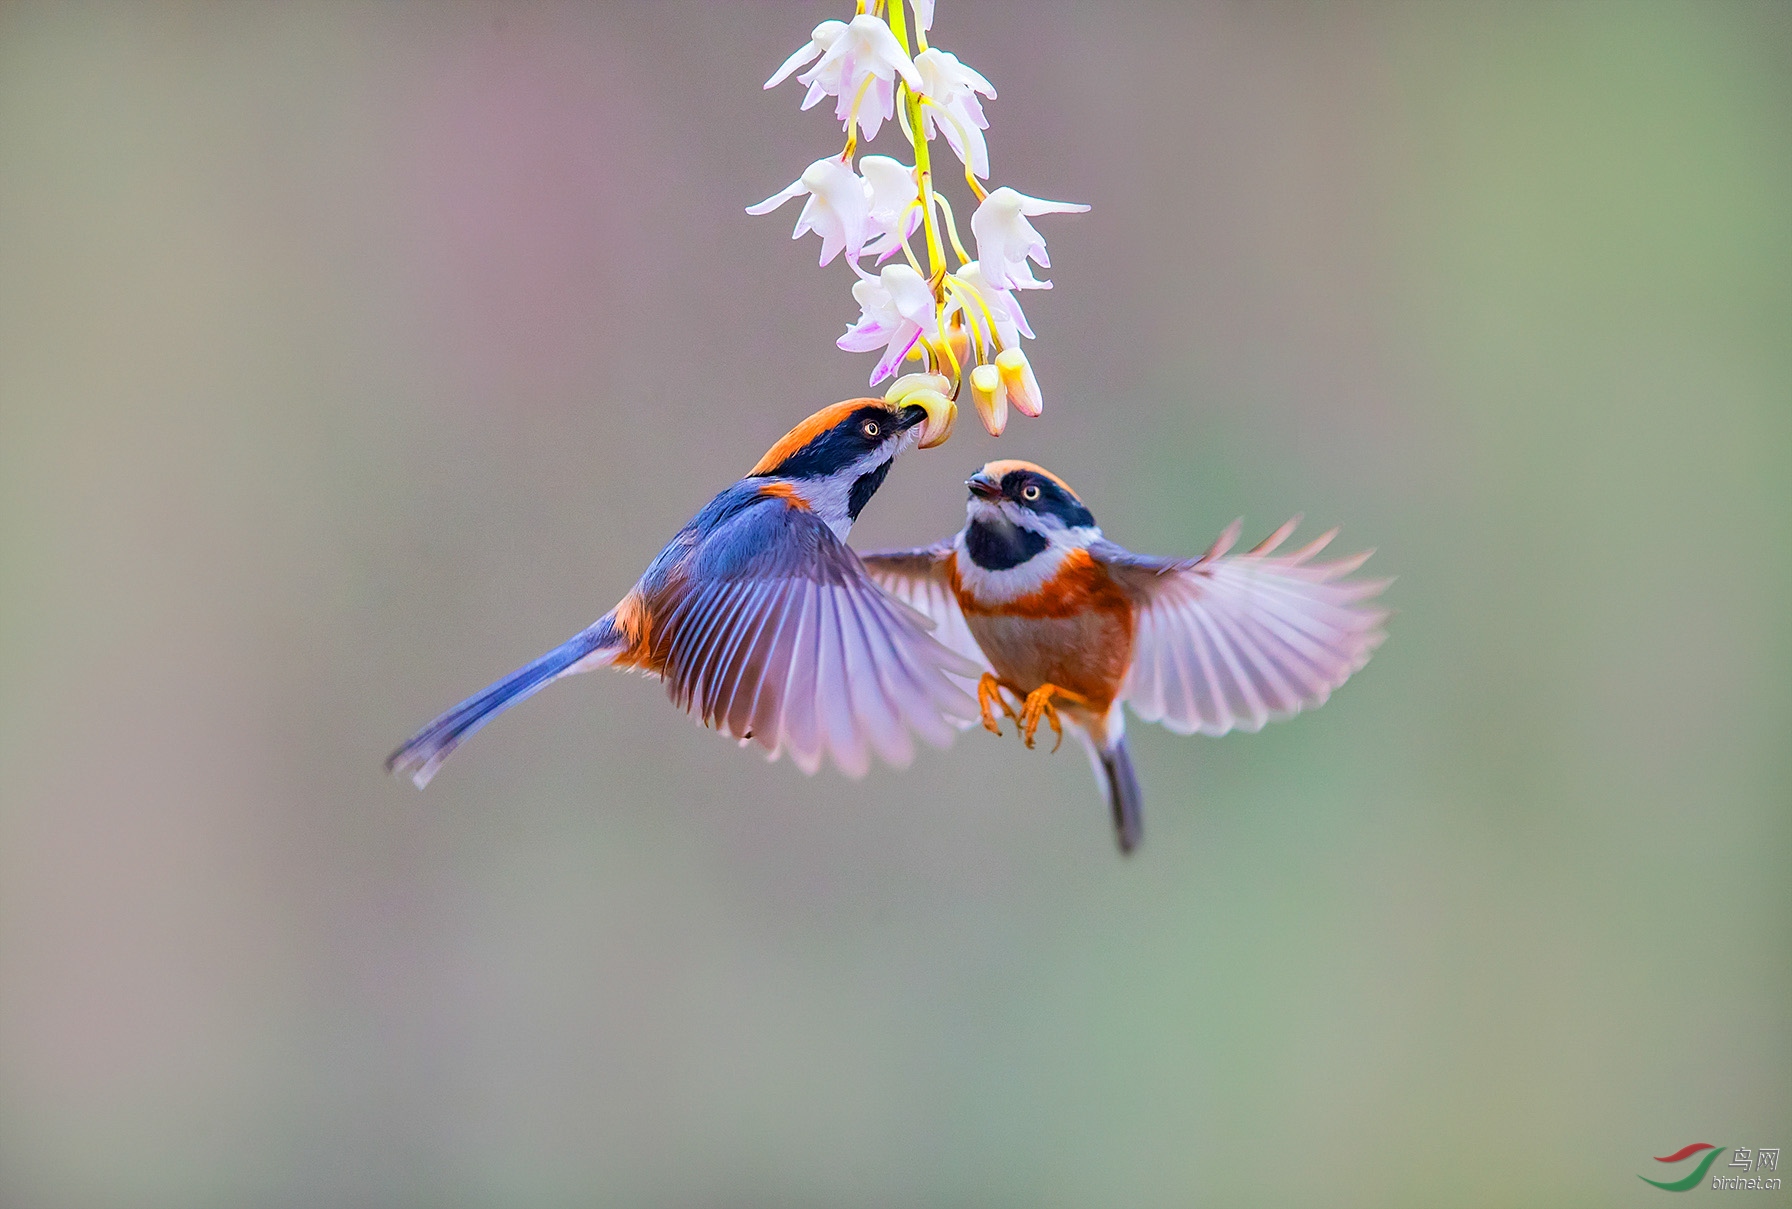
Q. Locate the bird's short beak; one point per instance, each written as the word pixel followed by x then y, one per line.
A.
pixel 926 392
pixel 984 487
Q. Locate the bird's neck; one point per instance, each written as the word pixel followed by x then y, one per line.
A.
pixel 839 498
pixel 999 561
pixel 996 545
pixel 832 499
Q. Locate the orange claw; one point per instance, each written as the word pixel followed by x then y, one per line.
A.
pixel 1039 705
pixel 990 689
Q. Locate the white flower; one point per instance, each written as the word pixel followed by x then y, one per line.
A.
pixel 852 56
pixel 838 209
pixel 954 87
pixel 820 38
pixel 896 309
pixel 981 302
pixel 1005 239
pixel 891 187
pixel 923 10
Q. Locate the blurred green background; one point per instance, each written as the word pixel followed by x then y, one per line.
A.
pixel 352 354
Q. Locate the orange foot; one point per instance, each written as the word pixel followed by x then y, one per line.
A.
pixel 990 689
pixel 1039 705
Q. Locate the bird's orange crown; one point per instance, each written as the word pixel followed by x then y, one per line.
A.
pixel 816 425
pixel 999 469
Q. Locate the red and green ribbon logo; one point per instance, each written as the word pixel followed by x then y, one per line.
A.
pixel 1698 1173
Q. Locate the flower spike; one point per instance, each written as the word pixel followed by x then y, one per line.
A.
pixel 961 318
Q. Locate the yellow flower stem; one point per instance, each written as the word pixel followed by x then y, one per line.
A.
pixel 945 346
pixel 952 229
pixel 970 178
pixel 994 342
pixel 973 344
pixel 899 25
pixel 852 121
pixel 906 250
pixel 913 262
pixel 911 104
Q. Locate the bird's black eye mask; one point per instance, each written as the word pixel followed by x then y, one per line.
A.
pixel 1037 493
pixel 860 433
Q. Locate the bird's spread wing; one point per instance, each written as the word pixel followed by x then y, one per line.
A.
pixel 772 632
pixel 1234 642
pixel 922 580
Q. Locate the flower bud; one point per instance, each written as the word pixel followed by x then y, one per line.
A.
pixel 1022 386
pixel 991 398
pixel 908 384
pixel 942 414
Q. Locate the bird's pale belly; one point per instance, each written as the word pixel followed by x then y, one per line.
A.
pixel 1087 653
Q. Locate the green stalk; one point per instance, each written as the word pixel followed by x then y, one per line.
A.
pixel 911 104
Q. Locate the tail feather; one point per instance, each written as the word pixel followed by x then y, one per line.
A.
pixel 436 742
pixel 1125 799
pixel 1119 784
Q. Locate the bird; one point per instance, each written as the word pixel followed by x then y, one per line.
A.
pixel 1074 627
pixel 760 619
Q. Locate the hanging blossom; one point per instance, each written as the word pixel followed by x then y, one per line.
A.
pixel 859 63
pixel 1006 240
pixel 954 311
pixel 952 107
pixel 838 209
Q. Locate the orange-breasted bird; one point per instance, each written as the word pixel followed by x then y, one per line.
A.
pixel 760 619
pixel 1068 622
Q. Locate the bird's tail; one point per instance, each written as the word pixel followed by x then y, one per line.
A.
pixel 1119 784
pixel 592 647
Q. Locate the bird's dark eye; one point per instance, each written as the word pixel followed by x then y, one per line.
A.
pixel 872 429
pixel 1030 492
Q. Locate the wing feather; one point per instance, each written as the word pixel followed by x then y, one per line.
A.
pixel 728 712
pixel 687 617
pixel 1225 643
pixel 866 677
pixel 1300 677
pixel 802 731
pixel 772 632
pixel 921 579
pixel 1208 696
pixel 718 624
pixel 918 698
pixel 772 673
pixel 1256 673
pixel 834 687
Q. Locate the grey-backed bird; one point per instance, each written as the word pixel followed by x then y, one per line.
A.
pixel 760 619
pixel 1066 621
